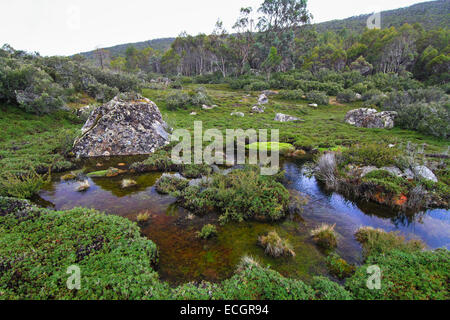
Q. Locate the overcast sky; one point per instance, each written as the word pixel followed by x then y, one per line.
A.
pixel 65 27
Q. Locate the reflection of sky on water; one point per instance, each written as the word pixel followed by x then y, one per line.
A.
pixel 432 226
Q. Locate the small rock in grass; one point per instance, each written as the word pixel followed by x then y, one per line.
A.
pixel 238 114
pixel 280 117
pixel 313 105
pixel 408 174
pixel 263 99
pixel 366 170
pixel 257 109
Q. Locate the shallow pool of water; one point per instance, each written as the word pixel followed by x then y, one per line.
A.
pixel 184 258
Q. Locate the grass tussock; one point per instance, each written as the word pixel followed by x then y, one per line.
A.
pixel 143 218
pixel 208 231
pixel 325 236
pixel 275 246
pixel 23 186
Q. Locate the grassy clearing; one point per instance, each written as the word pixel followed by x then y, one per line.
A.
pixel 324 126
pixel 31 141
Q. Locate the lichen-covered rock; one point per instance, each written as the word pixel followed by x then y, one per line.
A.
pixel 127 125
pixel 393 170
pixel 280 117
pixel 366 170
pixel 206 107
pixel 258 109
pixel 423 172
pixel 371 118
pixel 263 99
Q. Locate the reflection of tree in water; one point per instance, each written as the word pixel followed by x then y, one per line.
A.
pixel 398 218
pixel 113 184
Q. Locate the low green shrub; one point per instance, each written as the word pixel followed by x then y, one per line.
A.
pixel 258 86
pixel 178 100
pixel 291 94
pixel 108 249
pixel 199 97
pixel 161 160
pixel 318 97
pixel 424 110
pixel 325 289
pixel 242 194
pixel 390 183
pixel 338 267
pixel 195 171
pixel 360 88
pixel 177 84
pixel 181 100
pixel 346 96
pixel 254 282
pixel 405 275
pixel 370 155
pixel 168 184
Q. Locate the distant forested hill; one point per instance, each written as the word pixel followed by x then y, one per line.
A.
pixel 162 44
pixel 433 14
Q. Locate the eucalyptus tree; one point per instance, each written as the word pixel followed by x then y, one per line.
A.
pixel 279 22
pixel 244 40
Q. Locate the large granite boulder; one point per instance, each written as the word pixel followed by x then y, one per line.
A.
pixel 127 125
pixel 371 118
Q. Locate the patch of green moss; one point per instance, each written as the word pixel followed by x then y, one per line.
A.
pixel 270 146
